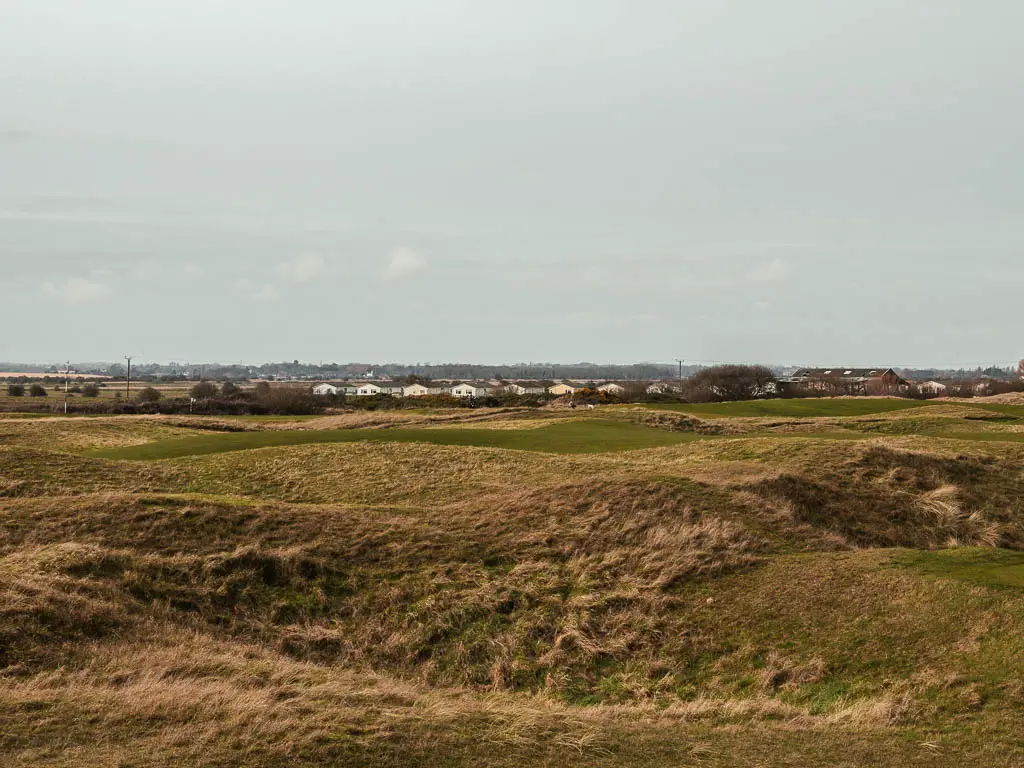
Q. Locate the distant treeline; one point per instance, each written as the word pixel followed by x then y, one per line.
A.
pixel 529 370
pixel 958 374
pixel 298 370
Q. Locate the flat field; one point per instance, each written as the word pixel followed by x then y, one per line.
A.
pixel 800 583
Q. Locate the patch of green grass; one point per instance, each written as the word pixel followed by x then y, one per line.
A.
pixel 982 566
pixel 824 696
pixel 1004 408
pixel 1003 437
pixel 801 407
pixel 583 436
pixel 271 417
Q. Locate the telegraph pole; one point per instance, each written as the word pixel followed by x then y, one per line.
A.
pixel 128 389
pixel 67 384
pixel 680 361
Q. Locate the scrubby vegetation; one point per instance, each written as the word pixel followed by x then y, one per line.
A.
pixel 713 593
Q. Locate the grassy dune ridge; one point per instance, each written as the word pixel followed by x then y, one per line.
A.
pixel 637 588
pixel 580 436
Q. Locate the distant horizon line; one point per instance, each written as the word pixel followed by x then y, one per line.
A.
pixel 12 366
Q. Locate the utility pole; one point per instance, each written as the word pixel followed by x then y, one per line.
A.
pixel 128 389
pixel 680 361
pixel 67 384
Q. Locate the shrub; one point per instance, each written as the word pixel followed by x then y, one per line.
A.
pixel 204 390
pixel 16 390
pixel 292 401
pixel 37 390
pixel 90 390
pixel 149 395
pixel 730 382
pixel 230 389
pixel 262 388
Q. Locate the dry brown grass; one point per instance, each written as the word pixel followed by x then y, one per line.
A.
pixel 79 434
pixel 177 697
pixel 387 605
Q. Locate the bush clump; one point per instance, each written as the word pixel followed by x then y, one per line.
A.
pixel 730 382
pixel 150 395
pixel 204 390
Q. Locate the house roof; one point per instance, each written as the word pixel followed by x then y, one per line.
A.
pixel 841 372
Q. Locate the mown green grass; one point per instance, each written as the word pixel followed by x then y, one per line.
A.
pixel 583 436
pixel 981 566
pixel 1000 437
pixel 803 407
pixel 270 417
pixel 569 437
pixel 1003 408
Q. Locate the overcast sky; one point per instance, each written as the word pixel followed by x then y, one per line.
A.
pixel 801 181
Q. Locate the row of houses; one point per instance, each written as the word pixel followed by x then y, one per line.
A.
pixel 848 381
pixel 878 381
pixel 823 381
pixel 461 388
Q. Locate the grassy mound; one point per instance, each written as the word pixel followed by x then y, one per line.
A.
pixel 583 436
pixel 796 408
pixel 661 601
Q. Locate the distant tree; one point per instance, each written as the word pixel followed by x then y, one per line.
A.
pixel 230 389
pixel 15 390
pixel 294 400
pixel 730 382
pixel 37 390
pixel 149 395
pixel 204 390
pixel 90 390
pixel 262 389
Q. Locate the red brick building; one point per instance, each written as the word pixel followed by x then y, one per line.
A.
pixel 850 381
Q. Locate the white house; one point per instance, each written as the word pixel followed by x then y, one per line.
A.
pixel 612 388
pixel 523 388
pixel 932 387
pixel 471 389
pixel 367 389
pixel 325 389
pixel 417 390
pixel 562 389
